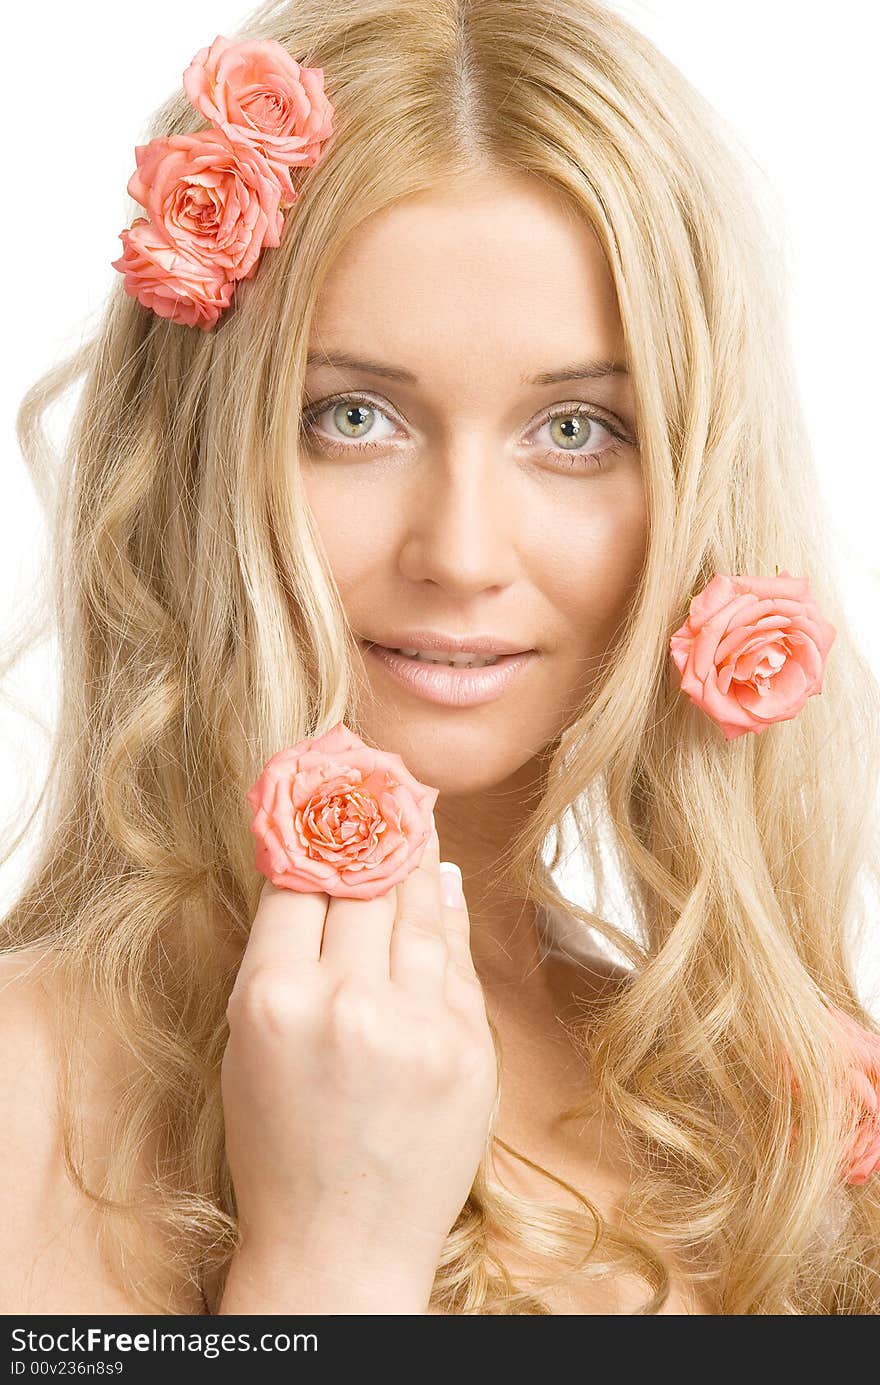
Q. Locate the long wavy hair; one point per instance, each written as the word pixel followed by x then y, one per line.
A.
pixel 185 571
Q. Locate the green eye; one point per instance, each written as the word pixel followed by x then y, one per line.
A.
pixel 350 418
pixel 571 429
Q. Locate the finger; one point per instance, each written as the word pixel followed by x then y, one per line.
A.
pixel 456 922
pixel 418 952
pixel 463 986
pixel 286 927
pixel 357 935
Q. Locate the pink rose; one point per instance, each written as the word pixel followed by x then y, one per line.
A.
pixel 335 816
pixel 215 202
pixel 260 95
pixel 752 650
pixel 863 1155
pixel 163 279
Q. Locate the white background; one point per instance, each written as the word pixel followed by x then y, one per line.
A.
pixel 796 81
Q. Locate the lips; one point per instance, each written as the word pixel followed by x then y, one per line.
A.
pixel 428 641
pixel 448 659
pixel 447 685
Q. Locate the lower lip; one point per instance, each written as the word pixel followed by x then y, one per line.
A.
pixel 453 687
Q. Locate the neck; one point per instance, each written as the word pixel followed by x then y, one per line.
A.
pixel 474 831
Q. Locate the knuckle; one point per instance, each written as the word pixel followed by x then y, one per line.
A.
pixel 354 1012
pixel 269 999
pixel 437 1067
pixel 436 1053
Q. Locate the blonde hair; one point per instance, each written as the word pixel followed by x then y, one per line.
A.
pixel 177 603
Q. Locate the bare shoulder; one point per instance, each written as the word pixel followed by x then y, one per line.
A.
pixel 27 1066
pixel 51 1261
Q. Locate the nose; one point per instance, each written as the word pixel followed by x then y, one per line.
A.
pixel 462 521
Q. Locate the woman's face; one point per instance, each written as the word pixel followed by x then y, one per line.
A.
pixel 458 492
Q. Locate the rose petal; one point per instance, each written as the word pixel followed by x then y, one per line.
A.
pixel 335 811
pixel 752 650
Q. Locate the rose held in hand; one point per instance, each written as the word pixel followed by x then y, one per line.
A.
pixel 360 1077
pixel 752 650
pixel 333 815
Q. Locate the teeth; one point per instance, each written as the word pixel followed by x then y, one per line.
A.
pixel 442 656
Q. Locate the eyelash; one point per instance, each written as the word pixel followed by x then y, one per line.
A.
pixel 572 410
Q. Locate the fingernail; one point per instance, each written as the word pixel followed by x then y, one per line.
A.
pixel 451 892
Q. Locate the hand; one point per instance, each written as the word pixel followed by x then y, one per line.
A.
pixel 360 1074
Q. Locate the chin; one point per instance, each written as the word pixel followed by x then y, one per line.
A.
pixel 460 759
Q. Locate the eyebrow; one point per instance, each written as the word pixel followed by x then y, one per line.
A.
pixel 587 370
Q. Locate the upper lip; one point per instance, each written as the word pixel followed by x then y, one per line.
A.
pixel 427 640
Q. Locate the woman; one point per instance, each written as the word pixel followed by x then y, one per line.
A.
pixel 516 368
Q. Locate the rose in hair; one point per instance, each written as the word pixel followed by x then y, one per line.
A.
pixel 336 816
pixel 752 650
pixel 214 201
pixel 260 95
pixel 174 286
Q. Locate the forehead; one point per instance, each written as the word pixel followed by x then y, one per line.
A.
pixel 503 271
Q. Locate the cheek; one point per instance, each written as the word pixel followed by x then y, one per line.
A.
pixel 594 557
pixel 352 522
